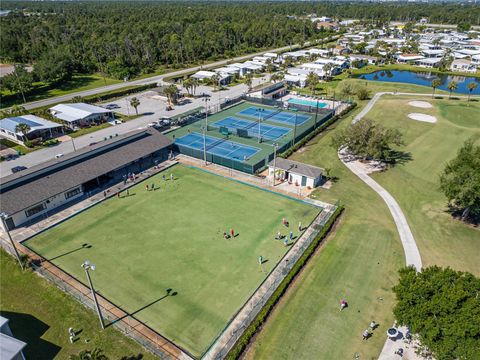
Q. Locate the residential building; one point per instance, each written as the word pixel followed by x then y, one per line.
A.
pixel 10 347
pixel 40 190
pixel 78 115
pixel 39 129
pixel 463 65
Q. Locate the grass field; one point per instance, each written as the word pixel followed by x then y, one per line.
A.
pixel 359 263
pixel 42 91
pixel 442 240
pixel 40 315
pixel 173 238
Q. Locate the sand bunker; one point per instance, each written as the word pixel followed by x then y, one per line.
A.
pixel 420 104
pixel 423 117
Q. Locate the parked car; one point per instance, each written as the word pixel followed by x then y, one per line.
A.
pixel 18 168
pixel 112 106
pixel 58 156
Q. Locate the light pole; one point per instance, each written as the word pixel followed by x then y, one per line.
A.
pixel 259 111
pixel 204 145
pixel 87 266
pixel 275 145
pixel 73 144
pixel 4 217
pixel 206 100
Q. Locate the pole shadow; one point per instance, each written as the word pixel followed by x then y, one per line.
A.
pixel 84 246
pixel 169 292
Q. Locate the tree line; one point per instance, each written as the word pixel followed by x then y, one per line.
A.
pixel 125 39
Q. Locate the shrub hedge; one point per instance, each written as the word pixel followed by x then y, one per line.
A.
pixel 247 335
pixel 314 133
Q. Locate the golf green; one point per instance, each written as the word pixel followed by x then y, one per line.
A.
pixel 150 241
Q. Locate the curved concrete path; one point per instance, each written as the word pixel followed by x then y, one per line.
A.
pixel 412 255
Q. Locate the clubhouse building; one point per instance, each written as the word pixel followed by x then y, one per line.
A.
pixel 43 189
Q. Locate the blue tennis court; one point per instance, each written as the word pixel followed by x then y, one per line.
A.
pixel 268 132
pixel 279 116
pixel 220 147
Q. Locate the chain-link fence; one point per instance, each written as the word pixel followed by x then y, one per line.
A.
pixel 244 317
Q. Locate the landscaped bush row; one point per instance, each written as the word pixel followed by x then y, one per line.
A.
pixel 314 133
pixel 244 340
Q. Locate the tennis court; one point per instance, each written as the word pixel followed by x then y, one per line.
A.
pixel 220 147
pixel 269 132
pixel 285 117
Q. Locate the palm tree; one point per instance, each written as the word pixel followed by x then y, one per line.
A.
pixel 452 87
pixel 17 110
pixel 312 81
pixel 471 86
pixel 328 70
pixel 77 99
pixel 188 85
pixel 435 83
pixel 23 129
pixel 171 91
pixel 248 81
pixel 277 77
pixel 135 103
pixel 216 81
pixel 194 85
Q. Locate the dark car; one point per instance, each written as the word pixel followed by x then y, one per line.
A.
pixel 18 168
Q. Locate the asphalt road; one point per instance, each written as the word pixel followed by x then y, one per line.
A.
pixel 152 109
pixel 150 80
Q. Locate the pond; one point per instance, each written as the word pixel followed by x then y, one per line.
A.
pixel 423 78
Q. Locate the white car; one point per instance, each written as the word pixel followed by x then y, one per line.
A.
pixel 58 156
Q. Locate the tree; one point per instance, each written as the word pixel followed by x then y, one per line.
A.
pixel 216 81
pixel 460 181
pixel 463 27
pixel 135 104
pixel 442 306
pixel 471 86
pixel 435 83
pixel 363 93
pixel 188 85
pixel 194 85
pixel 278 76
pixel 249 80
pixel 54 67
pixel 23 129
pixel 452 86
pixel 368 139
pixel 95 354
pixel 171 92
pixel 20 81
pixel 346 90
pixel 312 81
pixel 327 68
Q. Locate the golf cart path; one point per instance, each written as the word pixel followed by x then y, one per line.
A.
pixel 412 255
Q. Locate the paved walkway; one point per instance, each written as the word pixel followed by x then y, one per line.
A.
pixel 412 255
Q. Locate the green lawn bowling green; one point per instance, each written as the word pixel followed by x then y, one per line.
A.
pixel 172 238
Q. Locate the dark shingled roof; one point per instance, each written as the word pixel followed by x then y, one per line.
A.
pixel 299 168
pixel 38 183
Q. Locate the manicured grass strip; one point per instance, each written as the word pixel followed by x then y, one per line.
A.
pixel 40 315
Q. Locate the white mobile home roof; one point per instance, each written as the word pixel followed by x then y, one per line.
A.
pixel 76 111
pixel 270 55
pixel 34 122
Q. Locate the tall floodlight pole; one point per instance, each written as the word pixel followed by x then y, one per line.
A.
pixel 275 145
pixel 4 216
pixel 206 100
pixel 259 121
pixel 87 267
pixel 295 128
pixel 204 145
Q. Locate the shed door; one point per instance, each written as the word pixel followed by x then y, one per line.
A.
pixel 304 180
pixel 9 223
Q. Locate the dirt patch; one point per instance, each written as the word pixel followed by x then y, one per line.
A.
pixel 420 104
pixel 422 117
